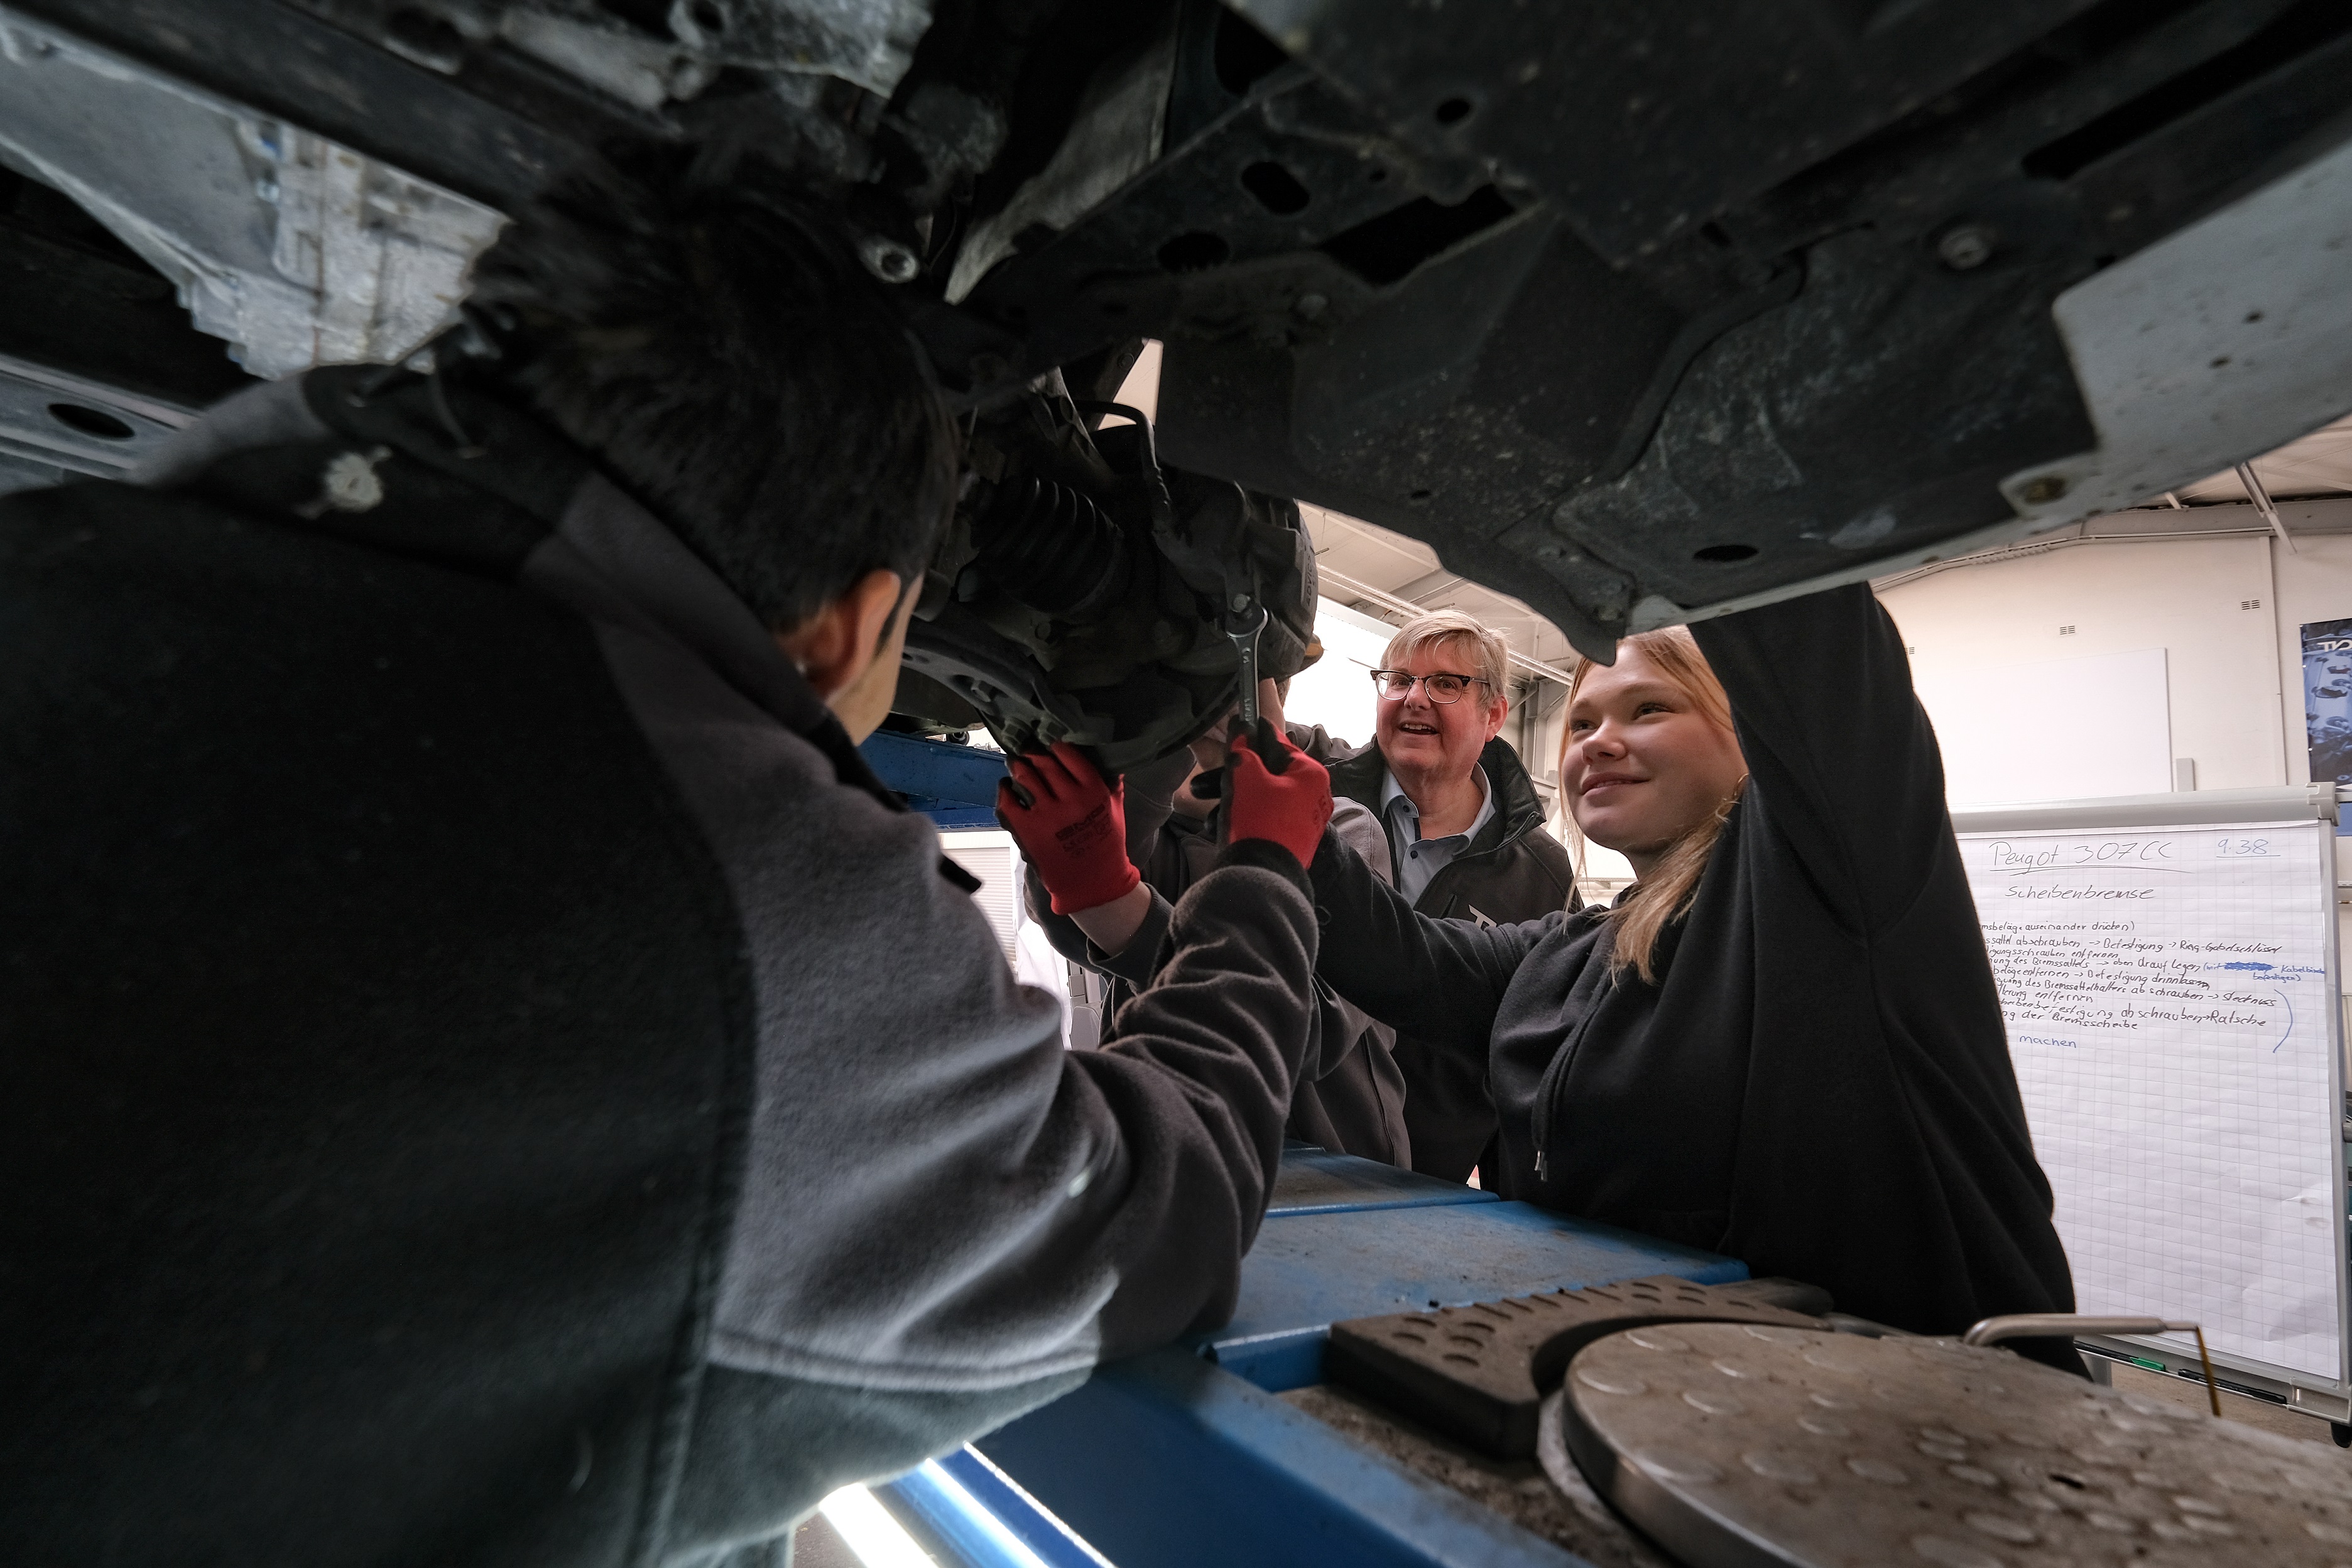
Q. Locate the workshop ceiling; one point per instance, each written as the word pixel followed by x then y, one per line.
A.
pixel 2320 464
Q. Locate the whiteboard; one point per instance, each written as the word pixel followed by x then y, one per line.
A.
pixel 2117 738
pixel 2170 996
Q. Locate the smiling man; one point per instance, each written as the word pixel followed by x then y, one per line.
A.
pixel 1466 831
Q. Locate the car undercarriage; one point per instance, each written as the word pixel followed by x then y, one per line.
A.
pixel 1639 314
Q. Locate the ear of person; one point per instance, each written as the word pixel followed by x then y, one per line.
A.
pixel 848 651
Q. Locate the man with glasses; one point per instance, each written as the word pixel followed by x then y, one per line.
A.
pixel 1466 831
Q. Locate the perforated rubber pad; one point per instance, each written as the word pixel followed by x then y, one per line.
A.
pixel 1737 1443
pixel 1476 1373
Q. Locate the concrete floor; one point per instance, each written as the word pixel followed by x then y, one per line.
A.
pixel 2234 1407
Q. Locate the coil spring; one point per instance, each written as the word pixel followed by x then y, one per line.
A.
pixel 1051 547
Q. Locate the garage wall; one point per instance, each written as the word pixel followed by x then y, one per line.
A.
pixel 2224 609
pixel 2233 669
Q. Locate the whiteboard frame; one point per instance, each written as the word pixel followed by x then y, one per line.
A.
pixel 2191 808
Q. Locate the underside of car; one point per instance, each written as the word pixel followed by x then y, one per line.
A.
pixel 1640 314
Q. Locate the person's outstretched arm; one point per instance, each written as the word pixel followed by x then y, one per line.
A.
pixel 1439 980
pixel 1837 743
pixel 1137 957
pixel 1082 858
pixel 943 1216
pixel 1888 1156
pixel 1342 1028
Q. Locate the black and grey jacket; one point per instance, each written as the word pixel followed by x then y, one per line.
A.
pixel 490 1076
pixel 1513 870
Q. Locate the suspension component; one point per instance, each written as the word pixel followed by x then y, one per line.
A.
pixel 1052 547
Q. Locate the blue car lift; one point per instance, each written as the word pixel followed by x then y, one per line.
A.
pixel 953 785
pixel 1183 1456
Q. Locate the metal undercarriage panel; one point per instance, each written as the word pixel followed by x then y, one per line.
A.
pixel 1639 314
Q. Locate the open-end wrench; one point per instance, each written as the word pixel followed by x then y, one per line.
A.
pixel 1243 625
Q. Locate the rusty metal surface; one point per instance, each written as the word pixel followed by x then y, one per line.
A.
pixel 1737 1444
pixel 1475 1373
pixel 1527 1495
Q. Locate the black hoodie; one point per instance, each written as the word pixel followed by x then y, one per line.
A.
pixel 1819 1082
pixel 1513 870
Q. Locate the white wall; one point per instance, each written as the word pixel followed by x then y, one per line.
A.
pixel 2052 729
pixel 2227 614
pixel 2182 596
pixel 1336 690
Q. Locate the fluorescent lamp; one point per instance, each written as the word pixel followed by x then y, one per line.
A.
pixel 879 1541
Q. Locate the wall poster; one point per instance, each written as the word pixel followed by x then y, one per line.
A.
pixel 2328 699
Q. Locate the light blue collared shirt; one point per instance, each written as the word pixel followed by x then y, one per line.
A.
pixel 1417 858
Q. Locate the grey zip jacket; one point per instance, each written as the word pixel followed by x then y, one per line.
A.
pixel 1348 1095
pixel 490 1077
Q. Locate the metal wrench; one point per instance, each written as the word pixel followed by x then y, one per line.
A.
pixel 1250 721
pixel 1245 648
pixel 1243 625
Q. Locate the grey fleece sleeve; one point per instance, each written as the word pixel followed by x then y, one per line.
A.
pixel 1135 963
pixel 1187 1079
pixel 937 1196
pixel 1343 1023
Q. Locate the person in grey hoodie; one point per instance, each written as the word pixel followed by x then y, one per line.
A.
pixel 491 1077
pixel 1348 1095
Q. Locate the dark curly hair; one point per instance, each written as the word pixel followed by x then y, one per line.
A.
pixel 719 349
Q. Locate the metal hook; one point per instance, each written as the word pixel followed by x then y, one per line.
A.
pixel 2055 1325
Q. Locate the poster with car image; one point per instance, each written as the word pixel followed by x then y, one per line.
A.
pixel 2328 699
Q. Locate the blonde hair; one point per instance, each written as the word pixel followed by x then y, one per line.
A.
pixel 1494 654
pixel 1662 897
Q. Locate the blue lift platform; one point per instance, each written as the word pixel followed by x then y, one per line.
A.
pixel 953 785
pixel 1183 1456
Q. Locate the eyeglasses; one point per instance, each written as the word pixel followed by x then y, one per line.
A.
pixel 1396 685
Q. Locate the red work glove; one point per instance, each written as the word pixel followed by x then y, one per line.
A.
pixel 1074 829
pixel 1287 805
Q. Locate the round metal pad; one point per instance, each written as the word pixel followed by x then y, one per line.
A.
pixel 1734 1445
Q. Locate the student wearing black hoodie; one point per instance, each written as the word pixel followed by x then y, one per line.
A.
pixel 1784 1042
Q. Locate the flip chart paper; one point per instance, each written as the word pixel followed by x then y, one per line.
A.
pixel 2169 1007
